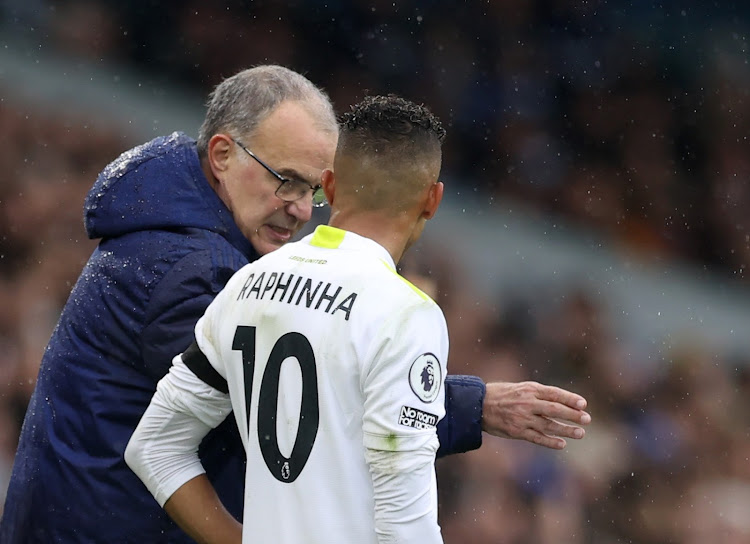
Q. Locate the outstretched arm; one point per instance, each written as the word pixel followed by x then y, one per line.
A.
pixel 541 414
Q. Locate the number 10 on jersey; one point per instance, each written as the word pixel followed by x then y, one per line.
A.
pixel 297 346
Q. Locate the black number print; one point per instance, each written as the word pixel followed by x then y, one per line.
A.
pixel 297 346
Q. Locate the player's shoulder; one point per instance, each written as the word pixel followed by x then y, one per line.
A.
pixel 383 282
pixel 396 308
pixel 406 286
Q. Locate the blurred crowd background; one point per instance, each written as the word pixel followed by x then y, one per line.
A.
pixel 627 119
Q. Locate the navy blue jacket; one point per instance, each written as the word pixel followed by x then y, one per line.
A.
pixel 168 245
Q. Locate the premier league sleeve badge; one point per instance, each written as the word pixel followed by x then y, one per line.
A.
pixel 425 377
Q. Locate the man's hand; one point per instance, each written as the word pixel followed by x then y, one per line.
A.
pixel 533 412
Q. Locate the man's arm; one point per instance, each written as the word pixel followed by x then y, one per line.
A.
pixel 541 414
pixel 461 428
pixel 177 303
pixel 524 411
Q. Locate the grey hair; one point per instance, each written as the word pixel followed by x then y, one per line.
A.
pixel 241 102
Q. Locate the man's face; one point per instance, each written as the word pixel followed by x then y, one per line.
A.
pixel 290 142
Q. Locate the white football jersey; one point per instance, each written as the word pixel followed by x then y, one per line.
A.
pixel 331 359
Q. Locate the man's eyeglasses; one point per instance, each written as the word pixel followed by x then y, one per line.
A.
pixel 290 189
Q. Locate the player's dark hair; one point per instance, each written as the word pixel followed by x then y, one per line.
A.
pixel 390 123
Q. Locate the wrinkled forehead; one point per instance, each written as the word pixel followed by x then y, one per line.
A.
pixel 292 138
pixel 292 118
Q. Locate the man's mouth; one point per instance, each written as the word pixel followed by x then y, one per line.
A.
pixel 279 234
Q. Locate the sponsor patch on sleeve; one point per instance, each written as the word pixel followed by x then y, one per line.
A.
pixel 417 419
pixel 425 377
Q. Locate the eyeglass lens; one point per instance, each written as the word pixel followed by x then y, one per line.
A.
pixel 292 190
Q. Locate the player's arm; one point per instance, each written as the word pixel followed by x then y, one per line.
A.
pixel 405 500
pixel 403 390
pixel 163 452
pixel 196 508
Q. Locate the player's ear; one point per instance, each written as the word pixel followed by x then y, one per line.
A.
pixel 328 181
pixel 218 153
pixel 434 197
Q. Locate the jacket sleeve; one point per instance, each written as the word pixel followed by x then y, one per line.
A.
pixel 461 428
pixel 176 304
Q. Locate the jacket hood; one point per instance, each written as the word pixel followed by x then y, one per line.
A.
pixel 158 185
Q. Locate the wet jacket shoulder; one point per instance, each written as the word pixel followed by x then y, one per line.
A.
pixel 153 206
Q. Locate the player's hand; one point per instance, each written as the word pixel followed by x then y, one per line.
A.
pixel 537 413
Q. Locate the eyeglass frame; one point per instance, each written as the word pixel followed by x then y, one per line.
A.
pixel 284 180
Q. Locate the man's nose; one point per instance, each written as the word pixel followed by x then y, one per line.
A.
pixel 301 209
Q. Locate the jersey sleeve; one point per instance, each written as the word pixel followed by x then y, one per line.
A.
pixel 404 384
pixel 163 450
pixel 404 400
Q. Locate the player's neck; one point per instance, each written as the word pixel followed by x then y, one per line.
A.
pixel 392 233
